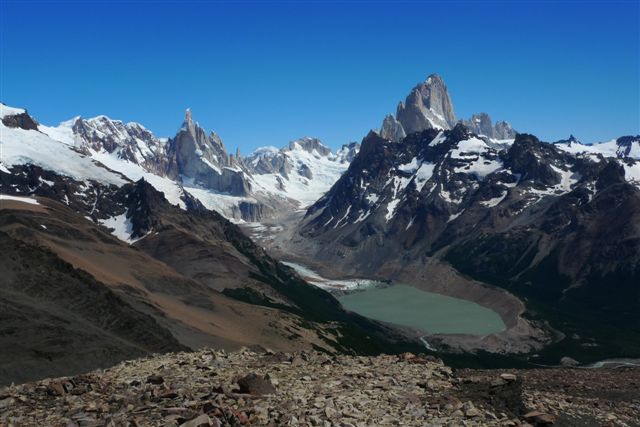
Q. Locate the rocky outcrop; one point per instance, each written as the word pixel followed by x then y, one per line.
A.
pixel 392 129
pixel 428 106
pixel 503 130
pixel 21 120
pixel 481 124
pixel 269 160
pixel 214 388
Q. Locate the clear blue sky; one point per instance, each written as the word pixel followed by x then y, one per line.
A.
pixel 263 73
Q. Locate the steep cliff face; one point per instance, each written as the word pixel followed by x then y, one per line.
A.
pixel 204 160
pixel 428 106
pixel 392 129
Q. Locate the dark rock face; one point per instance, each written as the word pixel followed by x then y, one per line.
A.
pixel 533 160
pixel 22 121
pixel 78 195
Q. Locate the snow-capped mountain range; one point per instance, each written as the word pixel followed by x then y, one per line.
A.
pixel 389 186
pixel 304 170
pixel 425 196
pixel 194 164
pixel 191 162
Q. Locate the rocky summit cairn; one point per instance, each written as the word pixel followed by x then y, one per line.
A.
pixel 214 388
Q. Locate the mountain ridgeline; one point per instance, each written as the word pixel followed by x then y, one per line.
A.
pixel 191 163
pixel 121 243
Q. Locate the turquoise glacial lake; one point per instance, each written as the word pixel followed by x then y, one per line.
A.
pixel 426 311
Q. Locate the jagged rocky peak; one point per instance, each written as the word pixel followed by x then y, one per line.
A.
pixel 209 148
pixel 481 124
pixel 427 106
pixel 131 141
pixel 204 160
pixel 392 129
pixel 188 124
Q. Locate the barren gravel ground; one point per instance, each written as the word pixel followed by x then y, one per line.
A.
pixel 214 388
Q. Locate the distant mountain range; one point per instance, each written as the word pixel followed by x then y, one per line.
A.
pixel 241 188
pixel 137 234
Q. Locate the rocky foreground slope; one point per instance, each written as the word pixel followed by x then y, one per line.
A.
pixel 214 388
